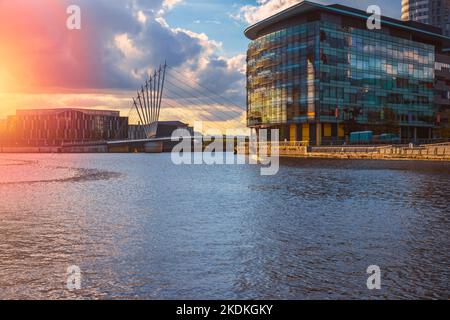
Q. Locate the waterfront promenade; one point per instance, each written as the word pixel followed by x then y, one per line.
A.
pixel 433 152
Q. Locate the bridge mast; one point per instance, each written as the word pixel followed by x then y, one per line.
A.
pixel 150 100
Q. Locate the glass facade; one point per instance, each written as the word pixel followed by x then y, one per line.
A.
pixel 53 127
pixel 376 76
pixel 442 95
pixel 330 73
pixel 281 75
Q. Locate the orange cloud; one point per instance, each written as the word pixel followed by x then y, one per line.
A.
pixel 45 65
pixel 38 52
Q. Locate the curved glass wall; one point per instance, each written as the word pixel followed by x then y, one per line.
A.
pixel 322 72
pixel 281 77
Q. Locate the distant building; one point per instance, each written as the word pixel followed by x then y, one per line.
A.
pixel 317 73
pixel 164 130
pixel 136 132
pixel 434 12
pixel 440 15
pixel 7 131
pixel 54 127
pixel 2 129
pixel 416 10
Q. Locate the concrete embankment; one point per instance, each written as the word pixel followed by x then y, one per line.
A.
pixel 74 149
pixel 29 149
pixel 426 152
pixel 435 152
pixel 126 146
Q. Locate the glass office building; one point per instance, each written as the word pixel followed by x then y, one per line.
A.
pixel 318 73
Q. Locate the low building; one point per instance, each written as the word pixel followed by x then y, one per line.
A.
pixel 164 130
pixel 55 127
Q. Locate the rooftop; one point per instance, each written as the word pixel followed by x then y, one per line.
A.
pixel 253 31
pixel 173 123
pixel 60 110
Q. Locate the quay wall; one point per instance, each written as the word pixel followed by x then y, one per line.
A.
pixel 424 152
pixel 74 149
pixel 29 149
pixel 394 152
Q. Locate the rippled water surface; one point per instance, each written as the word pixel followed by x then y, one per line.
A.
pixel 140 227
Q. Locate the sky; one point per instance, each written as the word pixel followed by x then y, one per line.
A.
pixel 43 64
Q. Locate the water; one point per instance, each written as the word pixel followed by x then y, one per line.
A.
pixel 140 227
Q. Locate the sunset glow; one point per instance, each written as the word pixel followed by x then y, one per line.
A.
pixel 44 64
pixel 218 159
pixel 39 55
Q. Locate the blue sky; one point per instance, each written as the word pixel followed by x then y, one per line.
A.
pixel 214 18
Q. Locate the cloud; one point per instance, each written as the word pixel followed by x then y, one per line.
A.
pixel 119 44
pixel 169 4
pixel 196 57
pixel 266 8
pixel 263 9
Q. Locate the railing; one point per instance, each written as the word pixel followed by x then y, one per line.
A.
pixel 293 143
pixel 380 142
pixel 83 143
pixel 426 151
pixel 347 149
pixel 444 144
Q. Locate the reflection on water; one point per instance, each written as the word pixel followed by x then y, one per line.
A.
pixel 140 227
